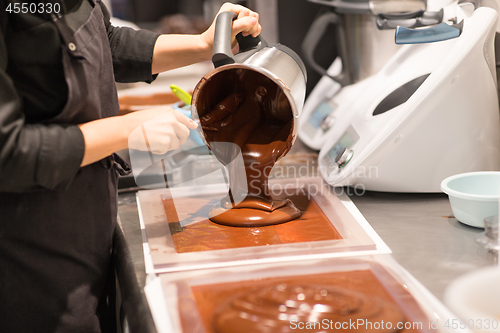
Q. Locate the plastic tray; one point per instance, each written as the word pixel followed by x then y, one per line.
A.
pixel 161 255
pixel 185 301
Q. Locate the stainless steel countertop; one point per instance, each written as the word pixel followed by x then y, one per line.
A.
pixel 434 247
pixel 423 236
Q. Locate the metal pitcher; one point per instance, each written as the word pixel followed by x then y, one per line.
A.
pixel 257 60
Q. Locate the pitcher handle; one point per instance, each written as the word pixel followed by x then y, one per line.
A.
pixel 246 43
pixel 222 54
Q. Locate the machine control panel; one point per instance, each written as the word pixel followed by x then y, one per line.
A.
pixel 346 141
pixel 322 118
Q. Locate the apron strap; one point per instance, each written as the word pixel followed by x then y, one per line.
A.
pixel 66 35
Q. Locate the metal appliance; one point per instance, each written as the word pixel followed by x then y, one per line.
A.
pixel 430 112
pixel 365 43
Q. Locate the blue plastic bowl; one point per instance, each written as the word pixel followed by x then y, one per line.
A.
pixel 473 196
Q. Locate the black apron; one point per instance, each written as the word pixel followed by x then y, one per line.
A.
pixel 55 246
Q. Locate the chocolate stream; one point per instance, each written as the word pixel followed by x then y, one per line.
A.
pixel 256 117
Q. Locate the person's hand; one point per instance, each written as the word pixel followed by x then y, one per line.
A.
pixel 247 23
pixel 158 130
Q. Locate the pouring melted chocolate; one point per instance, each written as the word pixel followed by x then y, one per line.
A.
pixel 250 111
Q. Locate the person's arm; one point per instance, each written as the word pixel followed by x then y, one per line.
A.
pixel 158 130
pixel 132 51
pixel 48 156
pixel 173 51
pixel 32 156
pixel 136 57
pixel 138 54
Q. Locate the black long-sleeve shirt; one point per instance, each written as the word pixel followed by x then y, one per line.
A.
pixel 36 155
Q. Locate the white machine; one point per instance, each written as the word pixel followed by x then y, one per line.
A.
pixel 430 112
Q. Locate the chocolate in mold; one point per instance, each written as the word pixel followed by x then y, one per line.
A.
pixel 273 308
pixel 359 293
pixel 193 232
pixel 255 217
pixel 244 107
